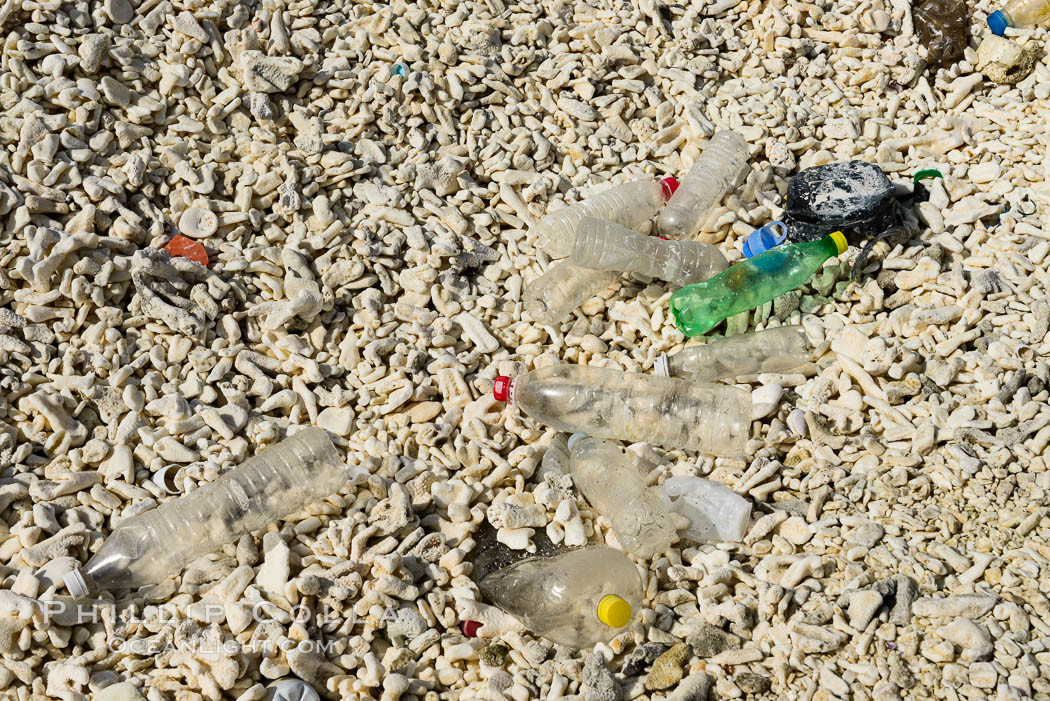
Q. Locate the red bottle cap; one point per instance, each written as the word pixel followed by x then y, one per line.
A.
pixel 501 388
pixel 669 184
pixel 470 628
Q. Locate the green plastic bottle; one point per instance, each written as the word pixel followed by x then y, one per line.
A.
pixel 699 308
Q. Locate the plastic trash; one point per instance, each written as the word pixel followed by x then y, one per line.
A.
pixel 761 240
pixel 577 599
pixel 147 548
pixel 850 195
pixel 715 512
pixel 1019 13
pixel 604 245
pixel 722 164
pixel 291 690
pixel 631 205
pixel 616 489
pixel 553 296
pixel 943 27
pixel 773 350
pixel 187 248
pixel 699 308
pixel 609 403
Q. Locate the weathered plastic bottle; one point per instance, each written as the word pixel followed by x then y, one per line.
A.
pixel 630 205
pixel 1019 13
pixel 608 403
pixel 943 27
pixel 147 548
pixel 715 511
pixel 699 308
pixel 603 245
pixel 773 350
pixel 722 165
pixel 614 487
pixel 552 297
pixel 576 599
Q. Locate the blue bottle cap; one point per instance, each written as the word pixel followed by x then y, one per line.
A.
pixel 998 23
pixel 761 240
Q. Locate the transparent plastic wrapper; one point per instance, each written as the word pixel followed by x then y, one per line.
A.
pixel 603 245
pixel 147 548
pixel 1019 13
pixel 609 403
pixel 722 164
pixel 699 308
pixel 553 296
pixel 773 350
pixel 614 487
pixel 579 598
pixel 630 205
pixel 715 512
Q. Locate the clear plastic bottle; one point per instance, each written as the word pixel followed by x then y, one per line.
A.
pixel 1019 13
pixel 614 487
pixel 631 205
pixel 699 308
pixel 577 599
pixel 722 164
pixel 552 297
pixel 608 403
pixel 151 546
pixel 773 350
pixel 603 245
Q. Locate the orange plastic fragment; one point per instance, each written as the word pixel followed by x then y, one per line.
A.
pixel 188 248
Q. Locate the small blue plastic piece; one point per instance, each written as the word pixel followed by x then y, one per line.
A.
pixel 761 240
pixel 998 23
pixel 399 69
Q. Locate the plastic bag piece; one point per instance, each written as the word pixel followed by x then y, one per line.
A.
pixel 943 27
pixel 715 512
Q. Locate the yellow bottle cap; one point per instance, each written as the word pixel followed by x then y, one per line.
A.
pixel 614 611
pixel 840 241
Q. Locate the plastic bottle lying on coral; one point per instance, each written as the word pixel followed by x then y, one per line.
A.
pixel 614 487
pixel 604 245
pixel 722 164
pixel 773 350
pixel 699 308
pixel 1019 13
pixel 609 403
pixel 630 205
pixel 147 548
pixel 552 297
pixel 578 598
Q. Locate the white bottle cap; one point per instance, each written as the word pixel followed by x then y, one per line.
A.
pixel 660 366
pixel 575 438
pixel 76 584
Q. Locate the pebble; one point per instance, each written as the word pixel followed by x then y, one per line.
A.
pixel 667 668
pixel 598 682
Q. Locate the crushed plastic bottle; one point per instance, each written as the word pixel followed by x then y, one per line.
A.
pixel 1019 13
pixel 147 548
pixel 553 296
pixel 604 245
pixel 773 350
pixel 715 512
pixel 943 27
pixel 631 205
pixel 609 403
pixel 699 308
pixel 615 488
pixel 722 164
pixel 577 599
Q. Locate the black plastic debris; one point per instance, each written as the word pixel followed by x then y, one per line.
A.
pixel 853 197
